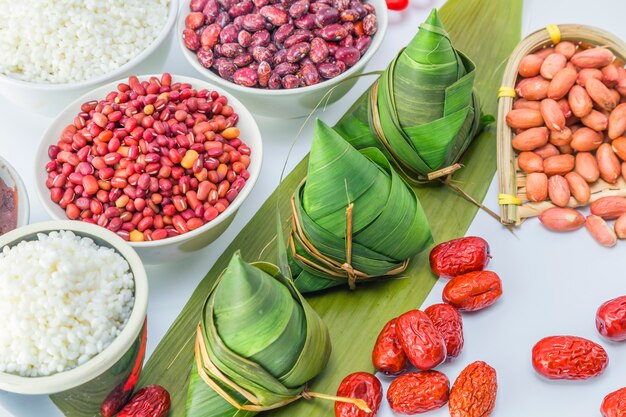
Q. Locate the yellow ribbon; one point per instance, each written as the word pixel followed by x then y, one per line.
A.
pixel 555 33
pixel 504 199
pixel 506 92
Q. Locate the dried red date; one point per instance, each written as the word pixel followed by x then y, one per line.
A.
pixel 448 321
pixel 418 392
pixel 473 291
pixel 360 385
pixel 388 356
pixel 422 343
pixel 614 404
pixel 611 319
pixel 568 357
pixel 151 401
pixel 474 392
pixel 459 256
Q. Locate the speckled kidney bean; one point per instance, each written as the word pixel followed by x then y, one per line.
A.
pixel 319 50
pixel 280 57
pixel 310 74
pixel 282 33
pixel 246 77
pixel 326 16
pixel 260 54
pixel 229 34
pixel 197 5
pixel 242 8
pixel 243 60
pixel 210 35
pixel 299 8
pixel 298 51
pixel 205 57
pixel 363 43
pixel 244 38
pixel 274 15
pixel 297 37
pixel 263 73
pixel 191 39
pixel 275 82
pixel 290 81
pixel 341 5
pixel 349 16
pixel 260 38
pixel 260 3
pixel 253 22
pixel 227 69
pixel 231 50
pixel 317 6
pixel 334 32
pixel 286 68
pixel 223 19
pixel 370 24
pixel 211 10
pixel 305 22
pixel 328 70
pixel 349 55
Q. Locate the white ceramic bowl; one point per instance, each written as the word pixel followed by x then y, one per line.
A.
pixel 12 180
pixel 297 102
pixel 47 99
pixel 102 362
pixel 173 248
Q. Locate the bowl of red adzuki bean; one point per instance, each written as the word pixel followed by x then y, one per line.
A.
pixel 282 57
pixel 163 161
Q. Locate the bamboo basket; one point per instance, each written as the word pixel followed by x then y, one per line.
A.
pixel 512 180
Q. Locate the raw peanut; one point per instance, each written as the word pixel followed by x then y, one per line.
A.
pixel 561 83
pixel 535 88
pixel 551 65
pixel 473 291
pixel 566 48
pixel 420 340
pixel 544 52
pixel 558 190
pixel 388 356
pixel 474 392
pixel 624 170
pixel 601 231
pixel 552 114
pixel 600 94
pixel 562 219
pixel 530 162
pixel 619 147
pixel 566 149
pixel 562 138
pixel 522 103
pixel 579 101
pixel 459 256
pixel 578 187
pixel 547 151
pixel 611 319
pixel 586 74
pixel 530 65
pixel 617 121
pixel 530 139
pixel 524 118
pixel 536 186
pixel 617 98
pixel 418 392
pixel 558 165
pixel 448 321
pixel 568 357
pixel 609 208
pixel 608 163
pixel 593 58
pixel 364 386
pixel 621 87
pixel 565 109
pixel 150 401
pixel 610 76
pixel 614 404
pixel 587 166
pixel 596 121
pixel 620 227
pixel 586 139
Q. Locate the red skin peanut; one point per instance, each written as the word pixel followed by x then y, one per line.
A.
pixel 361 385
pixel 569 357
pixel 418 392
pixel 388 356
pixel 473 291
pixel 611 319
pixel 450 324
pixel 421 341
pixel 459 256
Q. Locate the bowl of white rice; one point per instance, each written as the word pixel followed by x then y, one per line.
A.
pixel 74 299
pixel 52 52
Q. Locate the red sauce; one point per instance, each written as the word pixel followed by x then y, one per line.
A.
pixel 8 208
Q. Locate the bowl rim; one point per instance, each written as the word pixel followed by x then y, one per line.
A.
pixel 383 22
pixel 100 363
pixel 23 202
pixel 42 152
pixel 146 52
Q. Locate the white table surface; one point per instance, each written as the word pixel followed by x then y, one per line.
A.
pixel 553 283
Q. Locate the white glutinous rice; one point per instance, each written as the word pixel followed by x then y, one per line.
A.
pixel 63 300
pixel 63 41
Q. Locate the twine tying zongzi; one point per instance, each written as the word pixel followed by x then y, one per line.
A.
pixel 326 264
pixel 206 366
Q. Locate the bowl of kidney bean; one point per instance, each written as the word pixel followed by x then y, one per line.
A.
pixel 163 161
pixel 282 57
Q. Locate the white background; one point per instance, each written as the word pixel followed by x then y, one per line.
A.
pixel 553 283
